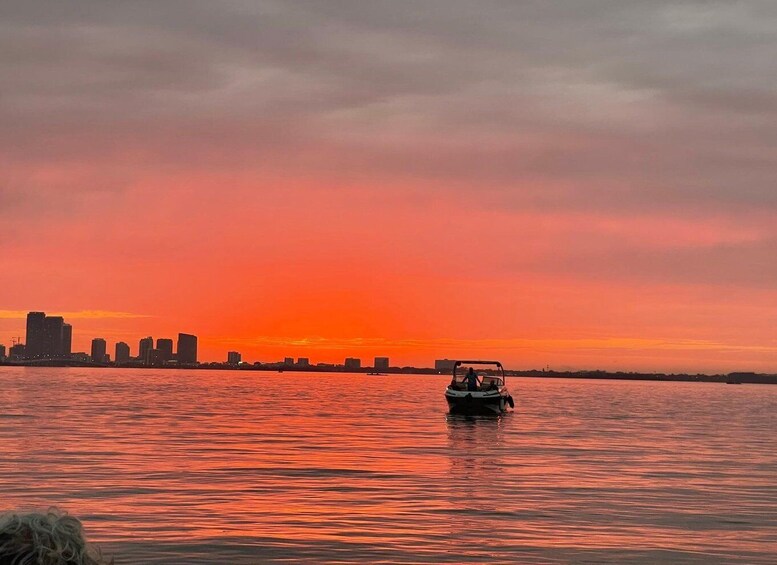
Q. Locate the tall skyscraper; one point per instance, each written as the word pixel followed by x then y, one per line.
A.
pixel 187 349
pixel 165 347
pixel 381 363
pixel 303 362
pixel 98 350
pixel 233 357
pixel 53 326
pixel 2 352
pixel 145 346
pixel 122 354
pixel 67 340
pixel 35 345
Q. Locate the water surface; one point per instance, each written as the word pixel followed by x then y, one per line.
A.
pixel 196 467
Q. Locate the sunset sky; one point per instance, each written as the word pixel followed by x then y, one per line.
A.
pixel 582 184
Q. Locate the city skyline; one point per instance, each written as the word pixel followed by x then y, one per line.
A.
pixel 339 354
pixel 49 338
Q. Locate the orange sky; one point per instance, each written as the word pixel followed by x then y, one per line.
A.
pixel 362 184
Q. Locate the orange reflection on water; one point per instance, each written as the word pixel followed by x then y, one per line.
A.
pixel 176 466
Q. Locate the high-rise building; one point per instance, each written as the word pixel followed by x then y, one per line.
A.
pixel 444 365
pixel 35 345
pixel 146 345
pixel 288 361
pixel 353 363
pixel 53 327
pixel 47 336
pixel 187 349
pixel 122 354
pixel 67 340
pixel 2 352
pixel 98 350
pixel 303 362
pixel 381 363
pixel 233 357
pixel 165 347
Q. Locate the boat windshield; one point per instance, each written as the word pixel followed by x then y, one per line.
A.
pixel 489 377
pixel 486 381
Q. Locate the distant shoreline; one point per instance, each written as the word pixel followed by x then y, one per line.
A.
pixel 730 378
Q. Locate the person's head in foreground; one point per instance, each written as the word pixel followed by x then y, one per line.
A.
pixel 53 538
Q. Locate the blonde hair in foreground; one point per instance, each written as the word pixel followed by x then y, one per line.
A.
pixel 53 538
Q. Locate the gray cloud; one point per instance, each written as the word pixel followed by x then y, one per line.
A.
pixel 600 105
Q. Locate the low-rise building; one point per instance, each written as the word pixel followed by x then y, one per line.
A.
pixel 17 352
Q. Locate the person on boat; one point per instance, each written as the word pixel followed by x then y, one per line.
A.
pixel 472 380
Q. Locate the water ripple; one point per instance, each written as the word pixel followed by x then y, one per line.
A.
pixel 205 467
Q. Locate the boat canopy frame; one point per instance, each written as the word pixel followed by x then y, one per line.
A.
pixel 458 364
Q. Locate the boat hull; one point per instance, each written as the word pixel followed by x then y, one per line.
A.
pixel 477 402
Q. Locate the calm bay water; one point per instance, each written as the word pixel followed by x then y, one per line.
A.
pixel 253 467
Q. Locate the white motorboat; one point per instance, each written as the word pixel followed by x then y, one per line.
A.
pixel 472 392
